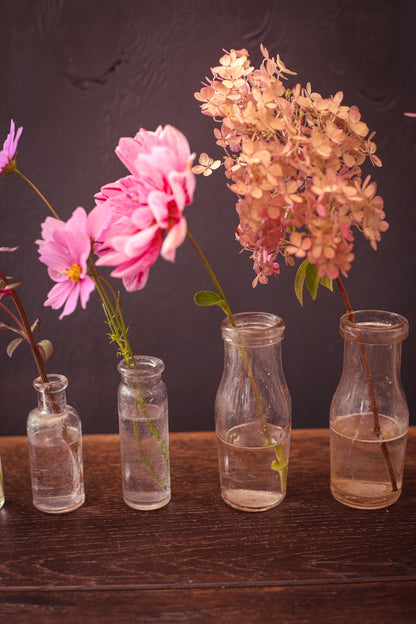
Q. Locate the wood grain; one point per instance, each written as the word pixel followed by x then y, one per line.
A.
pixel 195 547
pixel 371 603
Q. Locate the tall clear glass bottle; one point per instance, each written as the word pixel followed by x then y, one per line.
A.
pixel 144 434
pixel 369 417
pixel 55 449
pixel 253 413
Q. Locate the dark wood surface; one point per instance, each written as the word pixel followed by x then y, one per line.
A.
pixel 310 559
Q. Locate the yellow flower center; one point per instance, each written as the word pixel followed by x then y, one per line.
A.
pixel 74 272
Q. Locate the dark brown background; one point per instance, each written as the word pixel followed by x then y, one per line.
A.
pixel 79 74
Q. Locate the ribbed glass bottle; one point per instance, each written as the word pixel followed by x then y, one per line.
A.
pixel 55 449
pixel 369 417
pixel 253 413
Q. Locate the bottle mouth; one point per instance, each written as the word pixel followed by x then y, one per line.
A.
pixel 55 383
pixel 374 327
pixel 253 329
pixel 146 366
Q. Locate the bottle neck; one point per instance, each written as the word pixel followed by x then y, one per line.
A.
pixel 51 395
pixel 146 371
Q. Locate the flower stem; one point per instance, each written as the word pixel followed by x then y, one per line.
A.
pixel 116 323
pixel 369 382
pixel 281 465
pixel 212 276
pixel 28 331
pixel 43 198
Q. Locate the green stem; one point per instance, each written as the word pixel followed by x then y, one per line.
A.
pixel 115 320
pixel 280 465
pixel 212 276
pixel 117 325
pixel 43 198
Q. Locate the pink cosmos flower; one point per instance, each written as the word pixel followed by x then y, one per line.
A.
pixel 65 248
pixel 9 149
pixel 147 206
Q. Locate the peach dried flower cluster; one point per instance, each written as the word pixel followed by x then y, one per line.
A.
pixel 294 160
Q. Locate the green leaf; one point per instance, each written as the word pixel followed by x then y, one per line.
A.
pixel 327 282
pixel 13 345
pixel 46 349
pixel 312 280
pixel 299 281
pixel 11 286
pixel 207 298
pixel 13 329
pixel 35 327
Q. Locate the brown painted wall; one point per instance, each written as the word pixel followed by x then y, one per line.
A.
pixel 80 74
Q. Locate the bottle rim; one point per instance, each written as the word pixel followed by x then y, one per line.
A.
pixel 55 383
pixel 147 366
pixel 374 327
pixel 253 329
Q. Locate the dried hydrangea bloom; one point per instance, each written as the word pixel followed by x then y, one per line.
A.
pixel 294 160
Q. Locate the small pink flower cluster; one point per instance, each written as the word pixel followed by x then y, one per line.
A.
pixel 135 219
pixel 7 154
pixel 294 160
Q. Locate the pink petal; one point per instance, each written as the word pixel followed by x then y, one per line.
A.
pixel 128 150
pixel 86 287
pixel 142 241
pixel 177 143
pixel 58 294
pixel 72 300
pixel 175 237
pixel 158 204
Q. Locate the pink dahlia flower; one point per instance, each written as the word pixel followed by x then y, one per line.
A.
pixel 147 206
pixel 65 248
pixel 9 149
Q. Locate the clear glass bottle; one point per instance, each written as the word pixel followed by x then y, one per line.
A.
pixel 253 413
pixel 369 417
pixel 55 449
pixel 1 488
pixel 144 434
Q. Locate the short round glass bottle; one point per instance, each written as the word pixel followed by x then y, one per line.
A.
pixel 369 417
pixel 253 413
pixel 55 449
pixel 144 433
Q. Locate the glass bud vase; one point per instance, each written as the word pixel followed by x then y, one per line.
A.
pixel 369 417
pixel 55 449
pixel 253 413
pixel 144 433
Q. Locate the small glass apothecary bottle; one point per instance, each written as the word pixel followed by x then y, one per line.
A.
pixel 369 417
pixel 144 433
pixel 253 413
pixel 55 449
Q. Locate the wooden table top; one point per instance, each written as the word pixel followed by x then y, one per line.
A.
pixel 310 559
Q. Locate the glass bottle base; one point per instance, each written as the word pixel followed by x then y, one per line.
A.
pixel 60 505
pixel 147 505
pixel 351 496
pixel 246 500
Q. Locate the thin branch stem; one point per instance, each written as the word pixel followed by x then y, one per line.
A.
pixel 43 198
pixel 369 382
